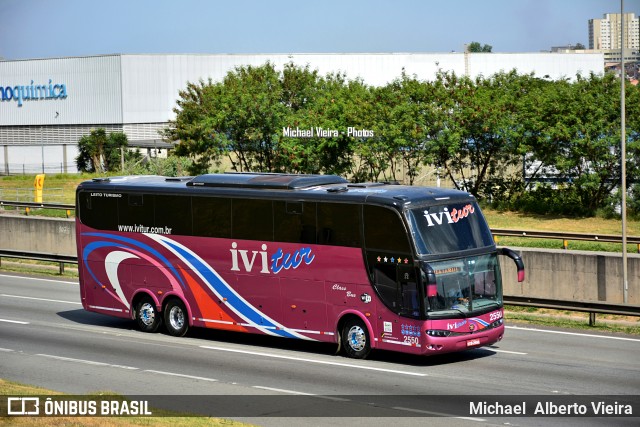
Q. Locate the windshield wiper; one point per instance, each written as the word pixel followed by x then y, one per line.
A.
pixel 445 314
pixel 459 311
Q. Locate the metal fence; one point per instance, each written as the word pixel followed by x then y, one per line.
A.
pixel 566 236
pixel 51 195
pixel 33 168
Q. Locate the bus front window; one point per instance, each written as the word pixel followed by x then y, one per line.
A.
pixel 454 227
pixel 465 285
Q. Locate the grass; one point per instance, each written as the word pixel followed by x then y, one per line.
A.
pixel 58 188
pixel 520 221
pixel 578 245
pixel 18 265
pixel 164 418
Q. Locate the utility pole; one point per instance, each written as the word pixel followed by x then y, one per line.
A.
pixel 623 143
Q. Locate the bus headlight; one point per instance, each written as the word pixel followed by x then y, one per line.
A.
pixel 496 323
pixel 438 333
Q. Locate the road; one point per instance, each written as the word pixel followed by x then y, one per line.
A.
pixel 48 340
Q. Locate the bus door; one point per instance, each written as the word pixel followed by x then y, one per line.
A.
pixel 398 287
pixel 408 294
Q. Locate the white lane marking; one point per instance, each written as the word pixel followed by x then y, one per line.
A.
pixel 572 333
pixel 321 362
pixel 439 414
pixel 37 278
pixel 14 321
pixel 506 351
pixel 280 390
pixel 85 362
pixel 179 375
pixel 40 299
pixel 6 350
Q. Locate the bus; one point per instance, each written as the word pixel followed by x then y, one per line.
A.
pixel 315 257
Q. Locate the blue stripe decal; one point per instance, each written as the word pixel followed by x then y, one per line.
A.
pixel 223 289
pixel 143 246
pixel 482 322
pixel 92 247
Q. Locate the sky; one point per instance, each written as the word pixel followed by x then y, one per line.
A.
pixel 60 28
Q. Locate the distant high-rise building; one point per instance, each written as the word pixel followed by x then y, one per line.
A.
pixel 604 35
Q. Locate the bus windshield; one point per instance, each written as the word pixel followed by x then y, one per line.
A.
pixel 465 285
pixel 453 227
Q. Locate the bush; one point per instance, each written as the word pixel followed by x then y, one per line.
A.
pixel 633 201
pixel 546 200
pixel 170 166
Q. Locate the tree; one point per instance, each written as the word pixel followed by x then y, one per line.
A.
pixel 99 152
pixel 476 47
pixel 243 117
pixel 333 104
pixel 478 125
pixel 402 116
pixel 194 128
pixel 591 140
pixel 573 135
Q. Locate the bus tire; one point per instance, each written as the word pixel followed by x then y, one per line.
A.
pixel 355 339
pixel 147 315
pixel 176 318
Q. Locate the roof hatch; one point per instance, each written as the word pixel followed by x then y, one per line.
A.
pixel 264 180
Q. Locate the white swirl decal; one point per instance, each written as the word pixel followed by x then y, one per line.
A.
pixel 111 263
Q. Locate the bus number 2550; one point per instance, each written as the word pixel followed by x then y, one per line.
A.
pixel 495 316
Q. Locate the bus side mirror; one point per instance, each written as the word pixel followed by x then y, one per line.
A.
pixel 516 258
pixel 430 284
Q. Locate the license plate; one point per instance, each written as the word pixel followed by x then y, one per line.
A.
pixel 471 343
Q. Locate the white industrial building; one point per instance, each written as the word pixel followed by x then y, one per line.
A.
pixel 46 105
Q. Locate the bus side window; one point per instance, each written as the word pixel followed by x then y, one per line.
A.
pixel 409 298
pixel 384 276
pixel 252 219
pixel 136 209
pixel 173 214
pixel 339 224
pixel 211 217
pixel 294 222
pixel 384 231
pixel 98 212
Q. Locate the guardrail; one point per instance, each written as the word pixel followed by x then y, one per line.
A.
pixel 606 238
pixel 60 259
pixel 591 307
pixel 34 205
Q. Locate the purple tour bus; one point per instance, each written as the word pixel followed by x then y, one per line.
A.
pixel 365 266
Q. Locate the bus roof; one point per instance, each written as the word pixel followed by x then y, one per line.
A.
pixel 279 186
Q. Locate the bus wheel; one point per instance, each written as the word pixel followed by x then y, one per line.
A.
pixel 147 315
pixel 175 318
pixel 355 339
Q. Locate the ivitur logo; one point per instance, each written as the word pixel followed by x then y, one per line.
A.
pixel 452 217
pixel 275 263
